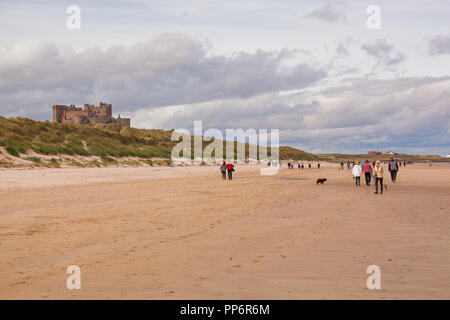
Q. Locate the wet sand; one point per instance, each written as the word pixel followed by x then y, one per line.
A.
pixel 182 233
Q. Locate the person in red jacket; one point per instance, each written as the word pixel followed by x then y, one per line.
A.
pixel 230 169
pixel 367 169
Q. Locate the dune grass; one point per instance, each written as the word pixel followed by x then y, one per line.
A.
pixel 107 141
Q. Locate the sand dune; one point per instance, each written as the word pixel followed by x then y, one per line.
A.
pixel 182 233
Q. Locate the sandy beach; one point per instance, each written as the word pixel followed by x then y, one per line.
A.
pixel 182 233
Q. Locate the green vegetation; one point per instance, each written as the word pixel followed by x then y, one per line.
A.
pixel 107 141
pixel 336 157
pixel 19 135
pixel 112 143
pixel 34 159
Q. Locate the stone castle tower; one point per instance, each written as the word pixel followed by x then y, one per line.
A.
pixel 89 115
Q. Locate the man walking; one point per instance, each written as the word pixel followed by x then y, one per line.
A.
pixel 367 169
pixel 393 169
pixel 230 169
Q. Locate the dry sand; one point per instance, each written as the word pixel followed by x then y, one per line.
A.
pixel 182 233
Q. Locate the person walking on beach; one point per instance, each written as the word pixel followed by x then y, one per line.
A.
pixel 356 172
pixel 378 175
pixel 223 170
pixel 393 169
pixel 367 169
pixel 348 165
pixel 318 165
pixel 230 169
pixel 309 165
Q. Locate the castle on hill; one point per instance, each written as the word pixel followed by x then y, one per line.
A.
pixel 90 115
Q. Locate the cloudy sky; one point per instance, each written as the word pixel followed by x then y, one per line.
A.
pixel 312 69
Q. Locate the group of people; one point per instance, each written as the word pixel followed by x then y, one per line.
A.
pixel 227 167
pixel 376 171
pixel 300 166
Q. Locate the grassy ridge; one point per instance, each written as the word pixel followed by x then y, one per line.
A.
pixel 20 135
pixel 336 157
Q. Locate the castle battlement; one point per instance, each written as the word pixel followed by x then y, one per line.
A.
pixel 90 115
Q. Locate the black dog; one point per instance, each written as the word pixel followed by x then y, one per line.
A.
pixel 321 180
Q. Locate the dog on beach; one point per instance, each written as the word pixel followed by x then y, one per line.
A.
pixel 321 180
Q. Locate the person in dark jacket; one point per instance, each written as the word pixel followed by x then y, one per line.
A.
pixel 223 170
pixel 393 169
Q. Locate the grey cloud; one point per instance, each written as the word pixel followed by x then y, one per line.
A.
pixel 384 53
pixel 331 13
pixel 167 70
pixel 402 114
pixel 439 45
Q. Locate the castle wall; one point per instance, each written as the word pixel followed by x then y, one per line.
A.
pixel 124 122
pixel 90 115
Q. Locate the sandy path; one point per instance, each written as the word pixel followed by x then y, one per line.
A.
pixel 183 233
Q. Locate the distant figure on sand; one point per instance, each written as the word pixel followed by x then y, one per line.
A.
pixel 393 169
pixel 378 175
pixel 230 168
pixel 357 170
pixel 318 166
pixel 367 169
pixel 309 165
pixel 223 170
pixel 348 165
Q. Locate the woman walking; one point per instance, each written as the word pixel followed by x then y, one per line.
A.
pixel 378 175
pixel 223 170
pixel 357 170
